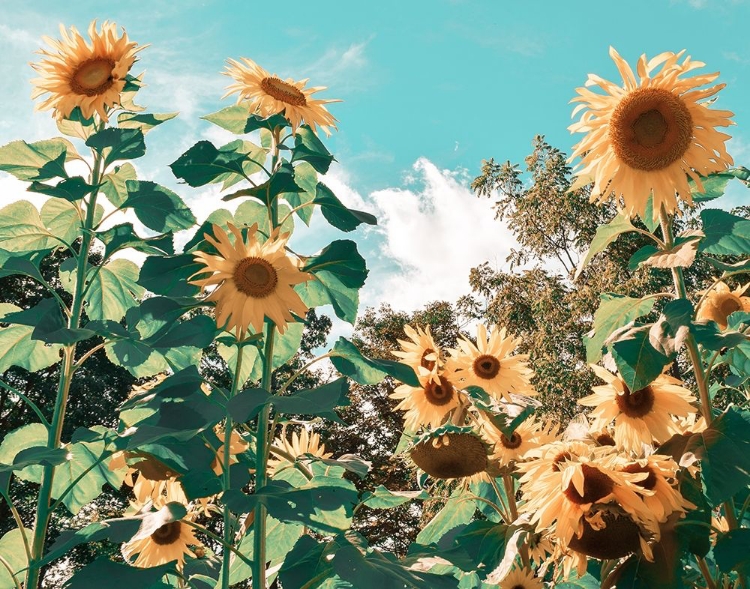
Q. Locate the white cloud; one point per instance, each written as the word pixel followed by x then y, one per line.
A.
pixel 340 67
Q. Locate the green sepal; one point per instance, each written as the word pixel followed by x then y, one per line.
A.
pixel 118 144
pixel 337 214
pixel 348 360
pixel 308 148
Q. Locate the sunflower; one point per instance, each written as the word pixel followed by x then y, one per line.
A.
pixel 643 416
pixel 167 543
pixel 529 435
pixel 720 302
pixel 421 353
pixel 297 447
pixel 268 95
pixel 427 404
pixel 450 452
pixel 255 280
pixel 649 135
pixel 520 578
pixel 82 74
pixel 490 366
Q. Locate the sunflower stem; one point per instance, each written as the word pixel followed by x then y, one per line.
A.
pixel 226 483
pixel 710 583
pixel 43 508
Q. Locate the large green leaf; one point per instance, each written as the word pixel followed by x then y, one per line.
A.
pixel 337 213
pixel 308 148
pixel 458 511
pixel 382 498
pixel 339 272
pixel 115 183
pixel 48 323
pixel 280 182
pixel 157 207
pixel 70 189
pixel 76 125
pixel 85 460
pixel 252 211
pixel 119 576
pixel 239 120
pixel 26 436
pixel 732 551
pixel 615 311
pixel 118 144
pixel 204 163
pixel 606 234
pixel 714 185
pixel 42 160
pixel 350 362
pixel 484 541
pixel 306 178
pixel 62 220
pixel 123 236
pixel 168 275
pixel 726 234
pixel 13 554
pixel 22 229
pixel 35 455
pixel 113 290
pixel 18 349
pixel 638 362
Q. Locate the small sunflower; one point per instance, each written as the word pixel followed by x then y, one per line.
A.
pixel 520 578
pixel 648 136
pixel 297 447
pixel 531 434
pixel 720 303
pixel 268 95
pixel 168 543
pixel 421 353
pixel 82 74
pixel 428 404
pixel 490 366
pixel 255 280
pixel 641 417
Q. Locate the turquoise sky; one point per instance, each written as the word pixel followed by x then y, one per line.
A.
pixel 429 89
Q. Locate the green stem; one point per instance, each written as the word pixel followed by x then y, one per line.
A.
pixel 710 584
pixel 226 483
pixel 43 510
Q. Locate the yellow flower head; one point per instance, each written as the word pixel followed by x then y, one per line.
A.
pixel 641 417
pixel 268 95
pixel 520 578
pixel 489 365
pixel 647 136
pixel 720 303
pixel 90 75
pixel 420 352
pixel 255 280
pixel 427 404
pixel 167 543
pixel 295 447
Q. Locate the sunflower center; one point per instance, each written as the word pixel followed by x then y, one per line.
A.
pixel 636 404
pixel 596 485
pixel 604 439
pixel 512 443
pixel 650 129
pixel 93 77
pixel 280 90
pixel 167 534
pixel 649 482
pixel 560 458
pixel 255 277
pixel 486 366
pixel 439 393
pixel 729 305
pixel 518 587
pixel 428 364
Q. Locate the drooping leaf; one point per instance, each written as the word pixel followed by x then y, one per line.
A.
pixel 239 120
pixel 306 178
pixel 115 183
pixel 70 189
pixel 76 125
pixel 605 235
pixel 143 121
pixel 726 234
pixel 26 436
pixel 308 148
pixel 732 551
pixel 281 182
pixel 168 275
pixel 614 311
pixel 337 213
pixel 458 510
pixel 42 160
pixel 714 185
pixel 35 455
pixel 669 332
pixel 157 207
pixel 123 236
pixel 638 362
pixel 204 163
pixel 350 362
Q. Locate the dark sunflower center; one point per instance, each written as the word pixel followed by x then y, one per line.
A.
pixel 649 482
pixel 439 393
pixel 636 404
pixel 167 534
pixel 560 458
pixel 280 90
pixel 596 485
pixel 650 129
pixel 486 366
pixel 604 439
pixel 255 277
pixel 93 77
pixel 518 587
pixel 514 442
pixel 729 305
pixel 428 364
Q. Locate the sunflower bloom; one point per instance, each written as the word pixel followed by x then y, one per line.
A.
pixel 490 366
pixel 428 404
pixel 451 452
pixel 531 434
pixel 420 352
pixel 78 73
pixel 641 417
pixel 720 302
pixel 296 447
pixel 169 542
pixel 255 280
pixel 648 136
pixel 268 95
pixel 520 578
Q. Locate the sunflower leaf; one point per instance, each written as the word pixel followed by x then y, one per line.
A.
pixel 726 234
pixel 306 178
pixel 237 119
pixel 605 234
pixel 14 557
pixel 112 290
pixel 71 189
pixel 308 148
pixel 714 185
pixel 282 181
pixel 145 122
pixel 157 207
pixel 204 164
pixel 168 275
pixel 123 236
pixel 337 213
pixel 638 362
pixel 614 312
pixel 18 349
pixel 118 144
pixel 41 161
pixel 350 362
pixel 22 229
pixel 114 186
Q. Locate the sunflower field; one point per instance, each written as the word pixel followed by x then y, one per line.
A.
pixel 216 447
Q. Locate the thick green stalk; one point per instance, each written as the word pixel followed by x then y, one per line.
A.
pixel 43 511
pixel 226 483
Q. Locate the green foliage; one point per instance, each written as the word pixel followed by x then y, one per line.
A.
pixel 350 362
pixel 112 290
pixel 732 551
pixel 12 552
pixel 605 235
pixel 615 311
pixel 638 362
pixel 458 511
pixel 143 121
pixel 726 234
pixel 42 160
pixel 118 144
pixel 22 229
pixel 70 189
pixel 238 119
pixel 17 348
pixel 337 214
pixel 158 208
pixel 204 163
pixel 308 148
pixel 119 576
